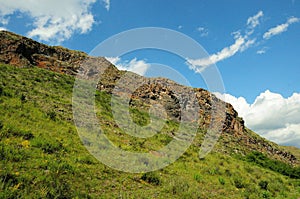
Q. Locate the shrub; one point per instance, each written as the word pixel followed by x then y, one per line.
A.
pixel 12 131
pixel 27 135
pixel 263 184
pixel 238 183
pixel 52 115
pixel 23 98
pixel 151 178
pixel 228 172
pixel 47 145
pixel 266 195
pixel 222 181
pixel 274 165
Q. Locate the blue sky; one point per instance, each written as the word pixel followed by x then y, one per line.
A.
pixel 254 44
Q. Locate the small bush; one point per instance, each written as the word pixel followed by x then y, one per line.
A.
pixel 222 181
pixel 23 98
pixel 27 135
pixel 238 183
pixel 266 195
pixel 274 165
pixel 52 115
pixel 263 184
pixel 12 131
pixel 228 172
pixel 47 145
pixel 151 178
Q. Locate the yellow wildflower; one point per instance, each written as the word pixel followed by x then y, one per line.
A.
pixel 25 143
pixel 16 187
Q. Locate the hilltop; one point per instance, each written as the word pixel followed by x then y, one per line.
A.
pixel 41 150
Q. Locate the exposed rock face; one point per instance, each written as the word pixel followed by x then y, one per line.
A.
pixel 23 52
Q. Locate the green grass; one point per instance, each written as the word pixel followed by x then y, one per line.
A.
pixel 274 165
pixel 42 156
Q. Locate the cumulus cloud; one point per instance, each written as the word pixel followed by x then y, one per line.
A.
pixel 2 28
pixel 280 28
pixel 137 66
pixel 241 43
pixel 289 135
pixel 52 20
pixel 239 103
pixel 203 31
pixel 271 115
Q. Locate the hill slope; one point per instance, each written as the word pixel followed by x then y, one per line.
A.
pixel 42 156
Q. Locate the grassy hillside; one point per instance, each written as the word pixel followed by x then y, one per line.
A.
pixel 41 154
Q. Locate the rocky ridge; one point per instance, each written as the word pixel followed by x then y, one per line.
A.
pixel 24 52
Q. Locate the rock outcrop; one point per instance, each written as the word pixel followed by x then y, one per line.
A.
pixel 24 52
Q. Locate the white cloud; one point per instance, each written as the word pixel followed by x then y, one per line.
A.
pixel 52 20
pixel 113 60
pixel 107 4
pixel 272 116
pixel 247 45
pixel 4 20
pixel 198 65
pixel 137 66
pixel 289 135
pixel 262 51
pixel 240 104
pixel 203 31
pixel 2 28
pixel 241 43
pixel 280 28
pixel 254 20
pixel 293 20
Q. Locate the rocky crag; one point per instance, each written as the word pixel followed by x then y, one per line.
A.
pixel 20 51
